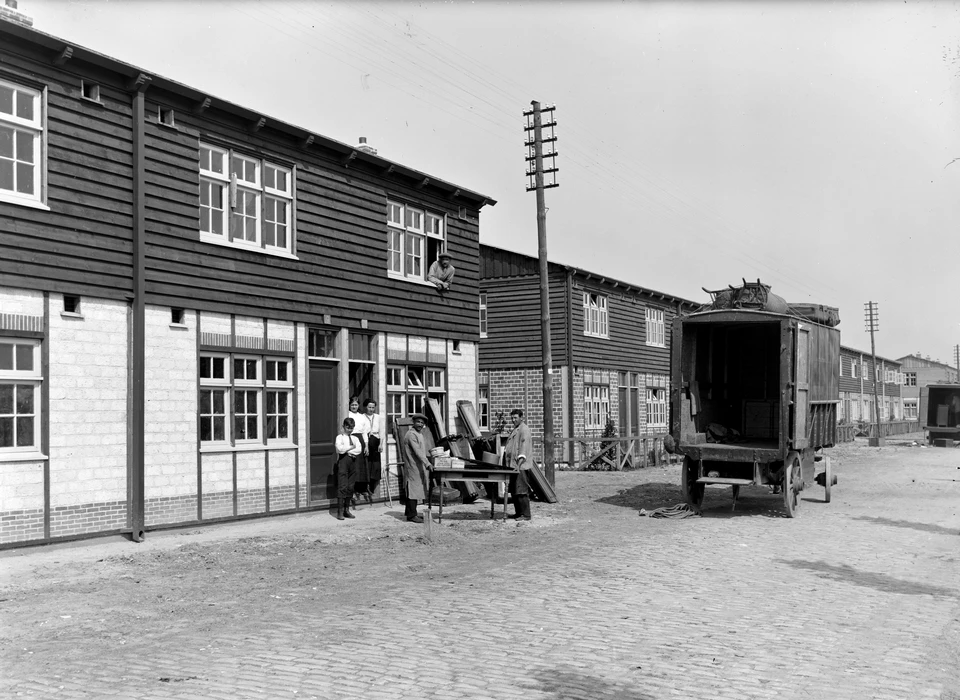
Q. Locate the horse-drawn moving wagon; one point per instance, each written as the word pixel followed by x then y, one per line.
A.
pixel 755 393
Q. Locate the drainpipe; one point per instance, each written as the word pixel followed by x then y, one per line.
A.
pixel 135 455
pixel 568 446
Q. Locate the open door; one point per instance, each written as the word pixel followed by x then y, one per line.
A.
pixel 801 387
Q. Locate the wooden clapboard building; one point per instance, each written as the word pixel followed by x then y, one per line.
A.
pixel 191 290
pixel 857 377
pixel 610 344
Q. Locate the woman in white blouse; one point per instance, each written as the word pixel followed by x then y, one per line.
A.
pixel 361 428
pixel 375 439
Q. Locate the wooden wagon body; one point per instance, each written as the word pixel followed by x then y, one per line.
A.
pixel 755 396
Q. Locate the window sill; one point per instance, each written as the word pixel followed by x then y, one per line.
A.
pixel 218 240
pixel 31 203
pixel 23 457
pixel 656 345
pixel 180 326
pixel 71 314
pixel 411 280
pixel 248 447
pixel 596 335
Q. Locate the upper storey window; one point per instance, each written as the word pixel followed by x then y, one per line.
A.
pixel 245 201
pixel 21 144
pixel 595 320
pixel 415 240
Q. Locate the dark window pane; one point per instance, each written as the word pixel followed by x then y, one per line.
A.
pixel 205 402
pixel 24 398
pixel 271 428
pixel 218 403
pixel 282 402
pixel 282 427
pixel 25 431
pixel 6 142
pixel 6 432
pixel 282 371
pixel 271 370
pixel 218 368
pixel 25 178
pixel 251 369
pixel 6 356
pixel 252 428
pixel 238 431
pixel 271 402
pixel 205 428
pixel 25 358
pixel 218 428
pixel 6 99
pixel 205 194
pixel 269 234
pixel 238 369
pixel 238 402
pixel 24 147
pixel 6 399
pixel 24 106
pixel 205 367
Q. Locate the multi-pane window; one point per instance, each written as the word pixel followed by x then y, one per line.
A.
pixel 409 387
pixel 656 330
pixel 595 315
pixel 596 406
pixel 910 378
pixel 245 201
pixel 21 143
pixel 245 399
pixel 855 369
pixel 20 384
pixel 656 407
pixel 483 401
pixel 415 239
pixel 483 314
pixel 910 411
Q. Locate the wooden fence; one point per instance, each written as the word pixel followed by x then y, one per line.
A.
pixel 846 433
pixel 594 453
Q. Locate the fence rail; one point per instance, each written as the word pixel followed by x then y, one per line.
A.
pixel 846 433
pixel 592 452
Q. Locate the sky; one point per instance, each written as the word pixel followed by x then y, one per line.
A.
pixel 810 145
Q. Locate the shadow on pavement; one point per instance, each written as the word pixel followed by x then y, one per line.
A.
pixel 922 527
pixel 878 582
pixel 572 685
pixel 648 496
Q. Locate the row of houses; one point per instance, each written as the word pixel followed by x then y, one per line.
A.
pixel 191 291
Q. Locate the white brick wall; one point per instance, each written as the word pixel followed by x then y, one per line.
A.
pixel 461 381
pixel 248 326
pixel 251 476
pixel 170 416
pixel 215 323
pixel 217 470
pixel 21 486
pixel 88 402
pixel 281 330
pixel 21 301
pixel 301 383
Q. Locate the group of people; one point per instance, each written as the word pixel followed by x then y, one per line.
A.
pixel 359 447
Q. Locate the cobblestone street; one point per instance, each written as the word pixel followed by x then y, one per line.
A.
pixel 859 598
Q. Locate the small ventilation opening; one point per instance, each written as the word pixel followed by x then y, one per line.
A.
pixel 176 316
pixel 71 304
pixel 91 91
pixel 166 116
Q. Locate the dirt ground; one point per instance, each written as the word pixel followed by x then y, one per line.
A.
pixel 95 595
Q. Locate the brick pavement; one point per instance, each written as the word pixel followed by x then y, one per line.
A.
pixel 855 599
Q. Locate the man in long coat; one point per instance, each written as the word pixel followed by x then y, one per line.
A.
pixel 415 466
pixel 517 455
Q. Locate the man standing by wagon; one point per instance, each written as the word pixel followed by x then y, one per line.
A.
pixel 516 455
pixel 415 466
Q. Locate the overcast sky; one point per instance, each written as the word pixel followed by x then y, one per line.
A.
pixel 807 144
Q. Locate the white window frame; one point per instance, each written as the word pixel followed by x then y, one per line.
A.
pixel 277 387
pixel 34 128
pixel 596 406
pixel 595 318
pixel 656 328
pixel 910 378
pixel 656 407
pixel 483 407
pixel 236 184
pixel 213 384
pixel 409 229
pixel 22 378
pixel 855 369
pixel 483 314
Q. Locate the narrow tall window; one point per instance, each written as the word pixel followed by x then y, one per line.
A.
pixel 20 384
pixel 656 331
pixel 656 407
pixel 595 315
pixel 483 314
pixel 21 143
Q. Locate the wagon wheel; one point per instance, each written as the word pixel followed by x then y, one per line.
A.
pixel 692 491
pixel 792 482
pixel 827 478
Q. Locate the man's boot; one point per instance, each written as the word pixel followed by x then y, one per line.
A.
pixel 339 509
pixel 523 507
pixel 346 509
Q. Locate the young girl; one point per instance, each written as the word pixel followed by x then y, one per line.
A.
pixel 348 447
pixel 374 447
pixel 361 428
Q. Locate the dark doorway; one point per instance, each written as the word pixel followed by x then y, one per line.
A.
pixel 361 381
pixel 323 429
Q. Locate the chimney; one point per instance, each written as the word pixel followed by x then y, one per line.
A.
pixel 362 146
pixel 9 12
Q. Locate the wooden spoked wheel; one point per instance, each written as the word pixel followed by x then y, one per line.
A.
pixel 827 478
pixel 692 491
pixel 792 482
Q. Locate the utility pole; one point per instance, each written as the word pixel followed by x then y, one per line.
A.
pixel 535 181
pixel 872 322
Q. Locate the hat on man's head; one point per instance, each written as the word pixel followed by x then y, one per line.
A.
pixel 414 416
pixel 443 255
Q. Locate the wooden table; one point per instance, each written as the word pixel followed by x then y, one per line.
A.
pixel 501 476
